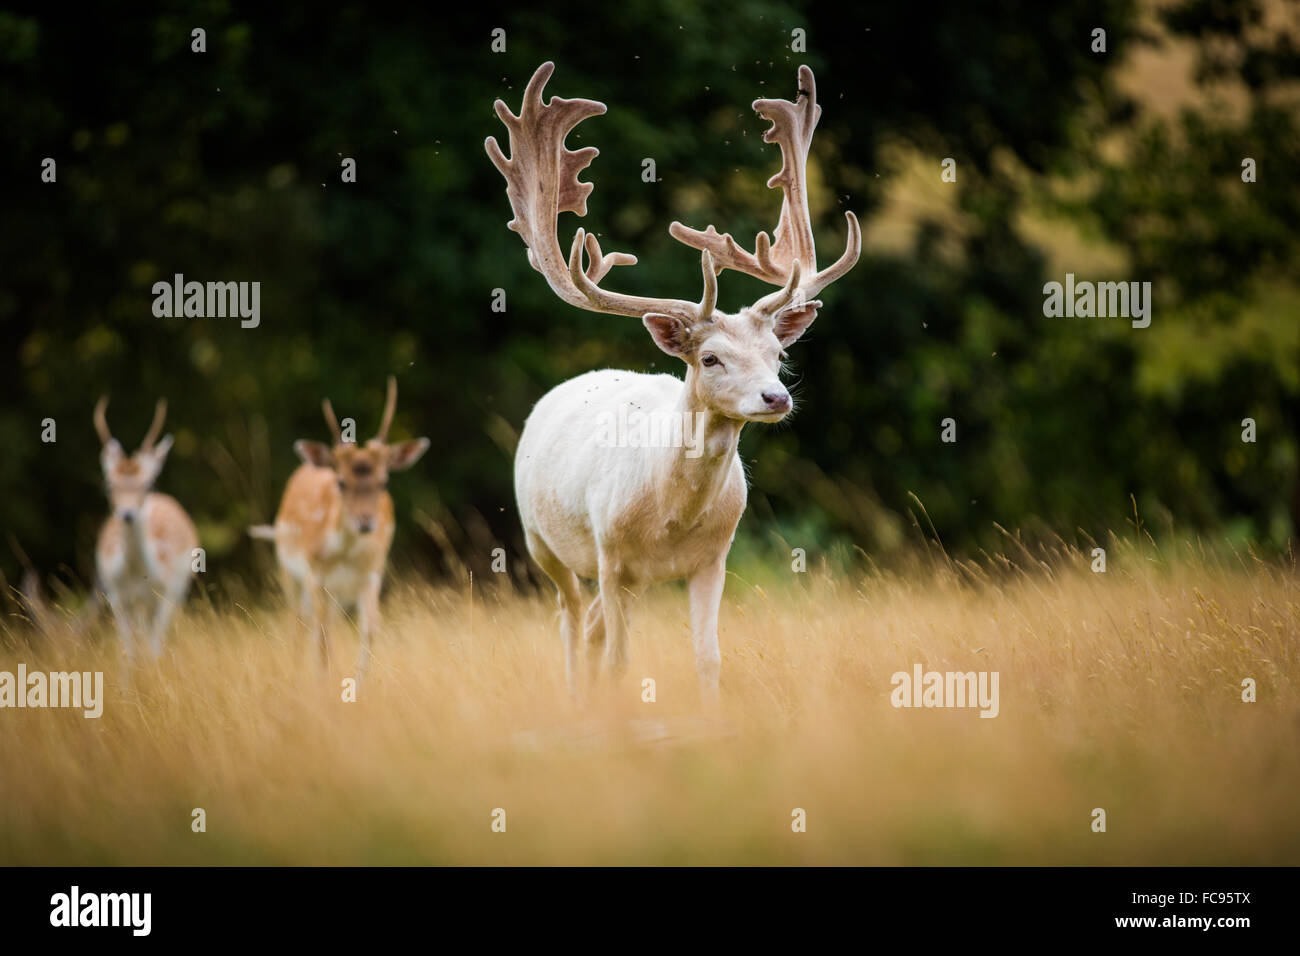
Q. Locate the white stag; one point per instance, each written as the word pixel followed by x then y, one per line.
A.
pixel 629 516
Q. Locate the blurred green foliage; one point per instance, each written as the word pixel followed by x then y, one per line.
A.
pixel 225 165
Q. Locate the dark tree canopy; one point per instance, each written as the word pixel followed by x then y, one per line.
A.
pixel 225 166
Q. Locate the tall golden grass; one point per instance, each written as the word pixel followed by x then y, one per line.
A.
pixel 1119 690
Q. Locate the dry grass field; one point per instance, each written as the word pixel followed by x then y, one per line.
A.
pixel 1119 690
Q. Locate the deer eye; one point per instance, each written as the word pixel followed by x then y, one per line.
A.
pixel 342 485
pixel 710 360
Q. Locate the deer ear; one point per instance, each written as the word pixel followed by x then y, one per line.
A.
pixel 314 453
pixel 405 454
pixel 669 332
pixel 792 323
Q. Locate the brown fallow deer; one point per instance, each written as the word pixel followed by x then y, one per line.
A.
pixel 335 525
pixel 627 516
pixel 145 551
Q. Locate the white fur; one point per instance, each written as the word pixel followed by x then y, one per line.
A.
pixel 627 517
pixel 144 589
pixel 625 514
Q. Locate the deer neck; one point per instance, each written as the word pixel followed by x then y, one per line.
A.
pixel 688 479
pixel 136 539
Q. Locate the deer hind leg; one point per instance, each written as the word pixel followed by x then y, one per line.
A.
pixel 320 625
pixel 311 615
pixel 122 618
pixel 594 630
pixel 166 606
pixel 163 610
pixel 368 619
pixel 570 595
pixel 611 603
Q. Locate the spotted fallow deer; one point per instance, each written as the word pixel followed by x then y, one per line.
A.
pixel 335 525
pixel 145 551
pixel 629 516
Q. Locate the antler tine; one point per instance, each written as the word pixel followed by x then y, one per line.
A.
pixel 774 303
pixel 155 428
pixel 101 420
pixel 332 421
pixel 390 406
pixel 710 300
pixel 542 182
pixel 793 124
pixel 846 261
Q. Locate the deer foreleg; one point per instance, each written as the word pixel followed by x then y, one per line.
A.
pixel 706 596
pixel 368 619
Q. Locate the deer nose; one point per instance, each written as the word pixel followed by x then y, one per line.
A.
pixel 365 526
pixel 777 401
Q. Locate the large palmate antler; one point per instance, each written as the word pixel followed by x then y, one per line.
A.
pixel 791 261
pixel 542 182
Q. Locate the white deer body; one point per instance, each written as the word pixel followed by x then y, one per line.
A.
pixel 629 513
pixel 659 513
pixel 145 551
pixel 627 516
